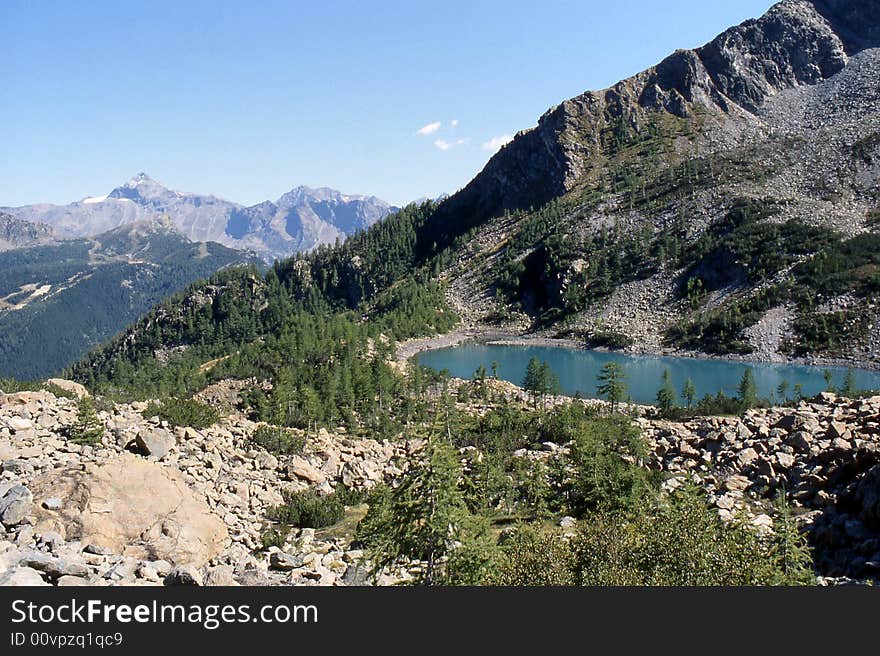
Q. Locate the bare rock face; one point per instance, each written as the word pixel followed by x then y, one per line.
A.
pixel 79 391
pixel 134 507
pixel 796 43
pixel 17 233
pixel 792 44
pixel 15 505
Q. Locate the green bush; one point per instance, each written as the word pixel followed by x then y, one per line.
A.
pixel 683 542
pixel 182 412
pixel 308 510
pixel 59 392
pixel 11 386
pixel 678 541
pixel 530 557
pixel 274 537
pixel 278 440
pixel 349 496
pixel 611 340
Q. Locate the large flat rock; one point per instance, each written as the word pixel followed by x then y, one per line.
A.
pixel 132 506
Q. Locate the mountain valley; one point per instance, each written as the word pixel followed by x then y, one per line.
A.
pixel 724 203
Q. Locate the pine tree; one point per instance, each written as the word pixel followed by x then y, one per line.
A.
pixel 532 381
pixel 850 388
pixel 748 390
pixel 666 394
pixel 689 392
pixel 479 380
pixel 782 390
pixel 789 551
pixel 88 428
pixel 426 518
pixel 549 381
pixel 612 384
pixel 829 380
pixel 540 380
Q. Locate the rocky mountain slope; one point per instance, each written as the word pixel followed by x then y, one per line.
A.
pixel 797 43
pixel 779 114
pixel 299 221
pixel 15 233
pixel 59 300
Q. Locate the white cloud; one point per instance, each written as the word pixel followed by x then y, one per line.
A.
pixel 442 144
pixel 454 122
pixel 430 128
pixel 495 143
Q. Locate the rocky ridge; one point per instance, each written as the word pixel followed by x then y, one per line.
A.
pixel 15 233
pixel 796 43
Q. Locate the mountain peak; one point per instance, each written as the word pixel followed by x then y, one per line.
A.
pixel 140 179
pixel 796 43
pixel 141 187
pixel 302 194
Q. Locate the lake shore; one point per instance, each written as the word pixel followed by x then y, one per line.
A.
pixel 410 348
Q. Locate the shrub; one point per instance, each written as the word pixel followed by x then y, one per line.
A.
pixel 530 557
pixel 718 405
pixel 308 510
pixel 274 537
pixel 183 412
pixel 278 440
pixel 11 386
pixel 58 391
pixel 683 542
pixel 679 541
pixel 611 340
pixel 349 496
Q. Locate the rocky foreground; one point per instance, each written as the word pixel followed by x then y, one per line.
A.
pixel 823 455
pixel 154 505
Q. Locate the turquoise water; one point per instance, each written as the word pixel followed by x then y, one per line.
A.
pixel 577 370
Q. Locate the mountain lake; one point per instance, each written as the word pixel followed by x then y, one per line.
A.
pixel 577 370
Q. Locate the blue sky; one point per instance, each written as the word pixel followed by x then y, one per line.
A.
pixel 246 100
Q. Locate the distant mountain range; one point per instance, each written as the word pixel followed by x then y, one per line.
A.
pixel 60 299
pixel 300 220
